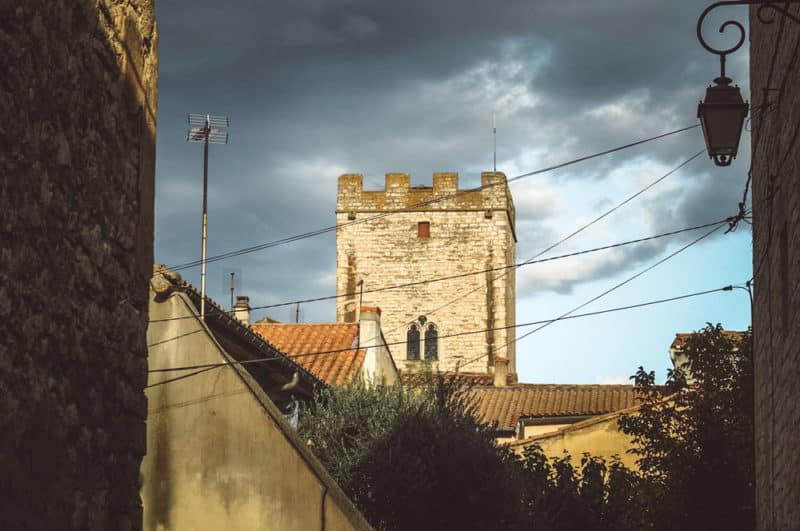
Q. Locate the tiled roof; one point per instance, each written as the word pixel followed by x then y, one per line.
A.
pixel 680 339
pixel 506 405
pixel 337 362
pixel 225 327
pixel 468 378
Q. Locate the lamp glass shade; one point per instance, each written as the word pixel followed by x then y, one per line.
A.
pixel 722 116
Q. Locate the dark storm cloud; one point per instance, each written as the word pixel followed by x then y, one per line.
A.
pixel 316 88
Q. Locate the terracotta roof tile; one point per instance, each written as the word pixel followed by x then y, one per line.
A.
pixel 338 361
pixel 506 405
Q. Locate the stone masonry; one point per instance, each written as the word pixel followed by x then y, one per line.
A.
pixel 77 161
pixel 775 90
pixel 466 231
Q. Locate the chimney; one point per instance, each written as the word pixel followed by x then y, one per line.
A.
pixel 369 329
pixel 242 309
pixel 500 372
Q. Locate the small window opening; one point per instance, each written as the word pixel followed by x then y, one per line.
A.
pixel 431 343
pixel 412 343
pixel 424 229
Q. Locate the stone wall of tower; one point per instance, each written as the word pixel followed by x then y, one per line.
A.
pixel 470 231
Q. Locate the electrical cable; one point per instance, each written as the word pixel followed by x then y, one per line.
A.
pixel 310 234
pixel 573 233
pixel 470 273
pixel 606 292
pixel 208 366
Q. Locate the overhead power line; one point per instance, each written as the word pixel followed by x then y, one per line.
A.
pixel 313 233
pixel 468 274
pixel 566 315
pixel 207 366
pixel 570 235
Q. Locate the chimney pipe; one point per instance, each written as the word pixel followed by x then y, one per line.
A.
pixel 242 309
pixel 500 372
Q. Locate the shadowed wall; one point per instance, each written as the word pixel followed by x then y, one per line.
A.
pixel 775 88
pixel 77 157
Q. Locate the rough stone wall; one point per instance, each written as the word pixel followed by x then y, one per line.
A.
pixel 77 153
pixel 775 79
pixel 469 231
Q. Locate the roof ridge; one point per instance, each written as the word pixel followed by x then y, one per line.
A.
pixel 523 385
pixel 259 323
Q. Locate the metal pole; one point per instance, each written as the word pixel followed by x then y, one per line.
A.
pixel 297 313
pixel 233 287
pixel 200 130
pixel 205 225
pixel 494 142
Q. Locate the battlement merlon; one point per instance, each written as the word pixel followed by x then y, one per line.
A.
pixel 398 194
pixel 497 195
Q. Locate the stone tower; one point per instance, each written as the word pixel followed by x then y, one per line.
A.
pixel 421 233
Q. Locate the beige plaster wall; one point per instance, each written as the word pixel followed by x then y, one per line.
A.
pixel 378 366
pixel 220 455
pixel 532 431
pixel 599 437
pixel 471 232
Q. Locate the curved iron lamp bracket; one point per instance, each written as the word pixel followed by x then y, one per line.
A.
pixel 766 14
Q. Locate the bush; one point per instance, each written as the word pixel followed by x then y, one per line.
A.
pixel 417 459
pixel 695 441
pixel 414 459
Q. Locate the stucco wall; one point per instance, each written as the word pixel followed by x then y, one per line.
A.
pixel 470 232
pixel 220 455
pixel 77 155
pixel 532 431
pixel 599 437
pixel 776 264
pixel 378 366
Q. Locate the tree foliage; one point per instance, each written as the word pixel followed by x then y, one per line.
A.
pixel 592 495
pixel 694 435
pixel 418 459
pixel 414 459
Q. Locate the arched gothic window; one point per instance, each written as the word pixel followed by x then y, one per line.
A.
pixel 431 343
pixel 412 342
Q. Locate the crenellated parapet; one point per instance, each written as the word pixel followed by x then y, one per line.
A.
pixel 444 195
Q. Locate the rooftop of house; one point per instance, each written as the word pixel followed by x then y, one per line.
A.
pixel 328 350
pixel 507 405
pixel 571 428
pixel 681 338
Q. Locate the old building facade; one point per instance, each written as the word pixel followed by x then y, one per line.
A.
pixel 775 90
pixel 77 166
pixel 402 238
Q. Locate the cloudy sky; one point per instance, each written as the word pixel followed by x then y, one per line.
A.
pixel 316 88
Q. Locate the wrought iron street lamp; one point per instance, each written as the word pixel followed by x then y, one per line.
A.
pixel 722 116
pixel 723 111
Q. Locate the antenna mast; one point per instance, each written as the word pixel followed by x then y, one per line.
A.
pixel 206 129
pixel 494 141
